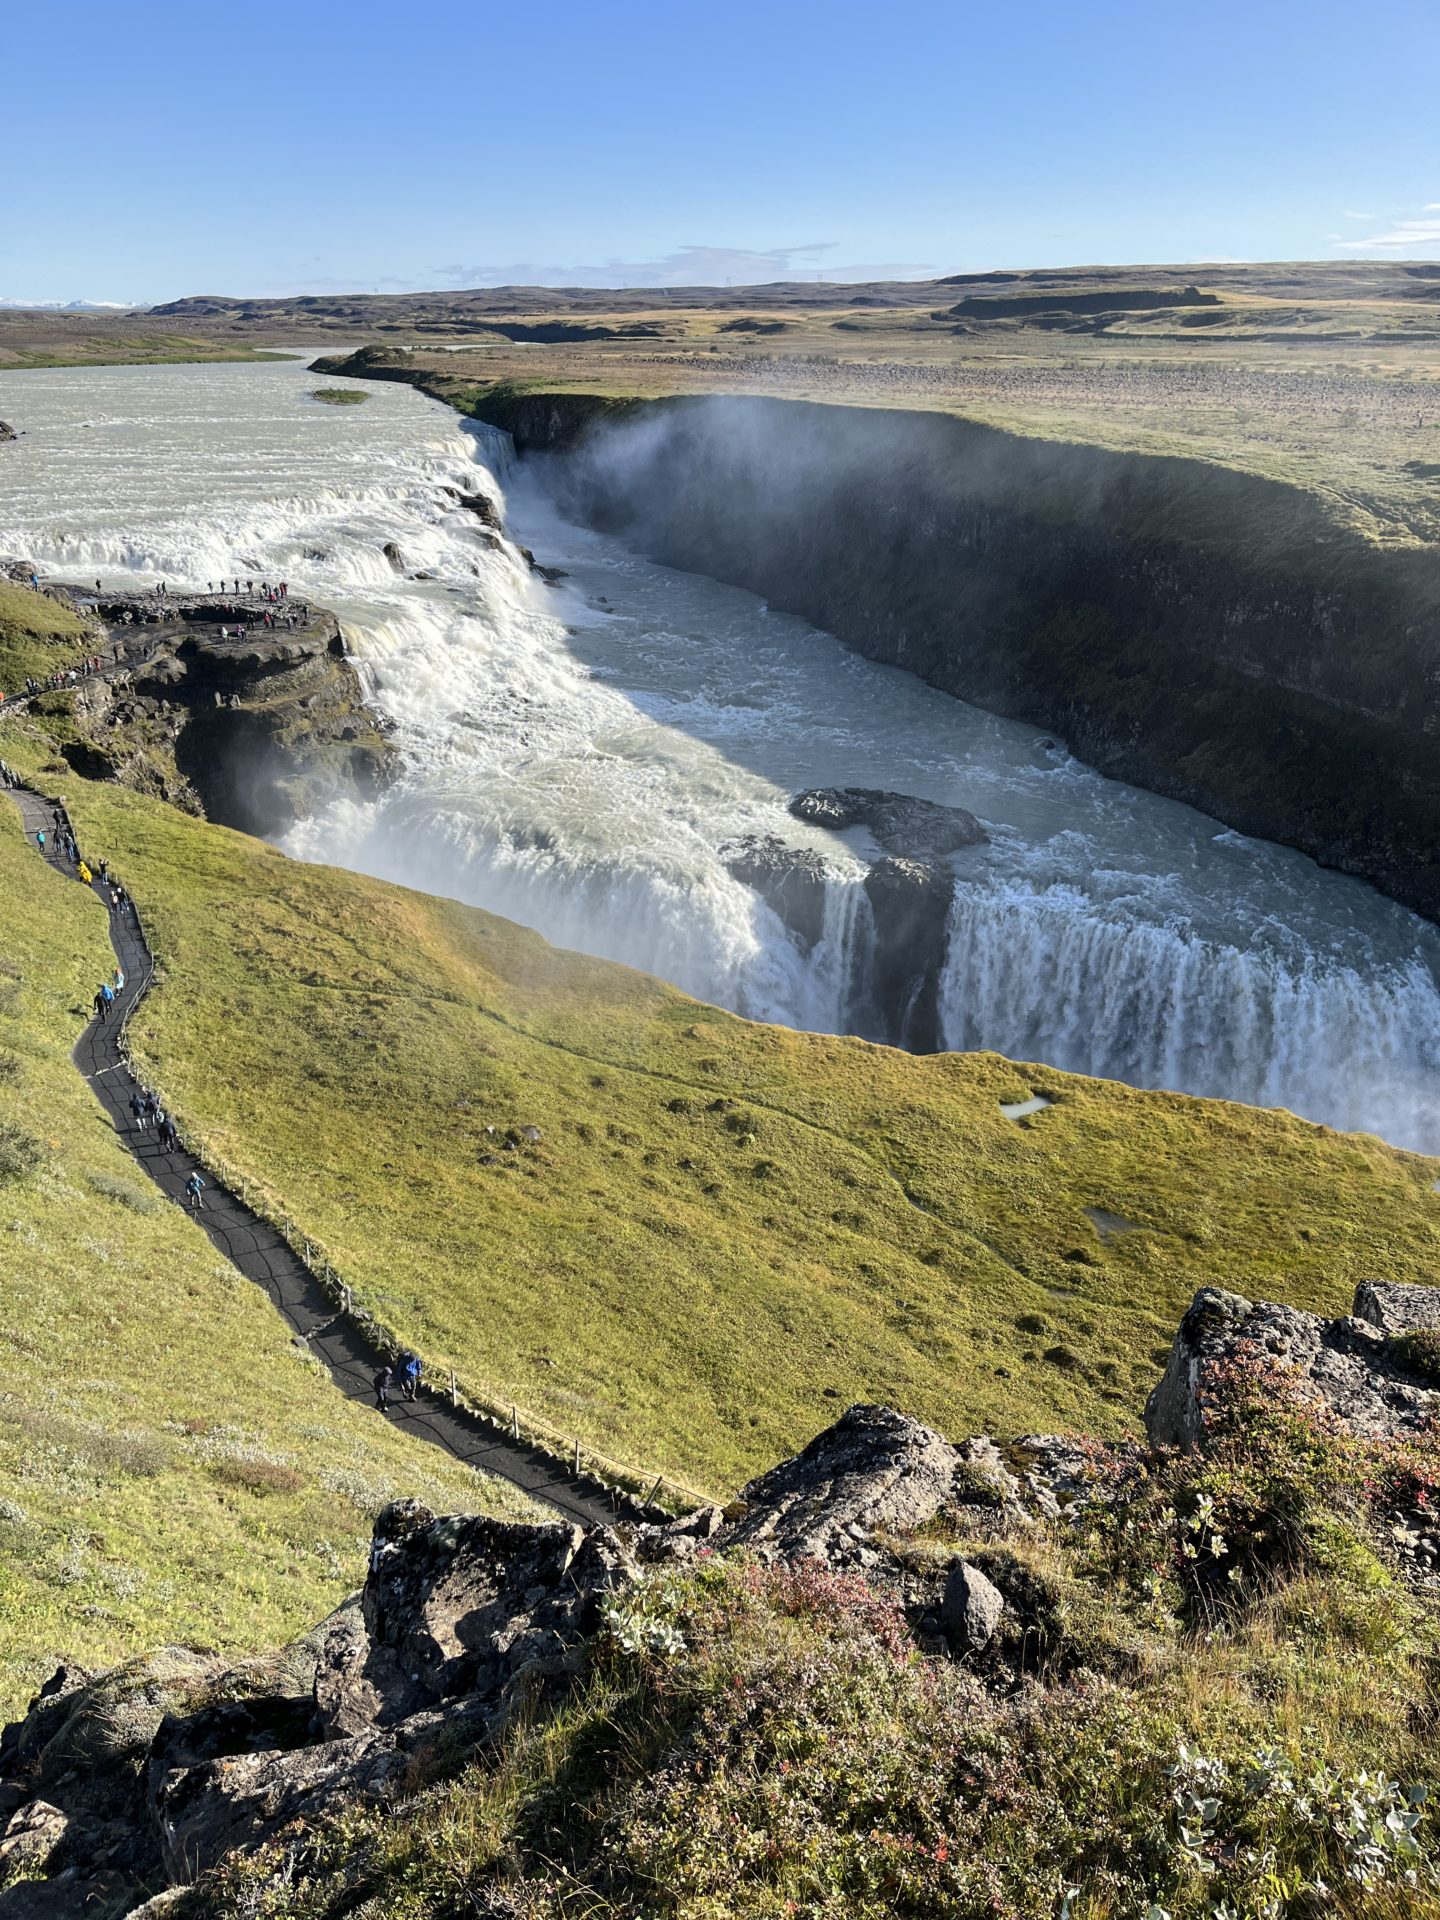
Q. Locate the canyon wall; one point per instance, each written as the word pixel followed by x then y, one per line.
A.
pixel 1203 633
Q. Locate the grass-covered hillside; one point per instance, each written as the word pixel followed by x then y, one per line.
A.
pixel 171 1467
pixel 37 635
pixel 723 1228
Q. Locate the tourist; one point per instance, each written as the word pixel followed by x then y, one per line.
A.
pixel 194 1188
pixel 104 870
pixel 103 997
pixel 169 1138
pixel 40 838
pixel 140 1110
pixel 82 873
pixel 119 979
pixel 383 1381
pixel 410 1375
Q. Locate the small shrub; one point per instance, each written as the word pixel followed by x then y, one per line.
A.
pixel 124 1191
pixel 20 1152
pixel 261 1477
pixel 1419 1353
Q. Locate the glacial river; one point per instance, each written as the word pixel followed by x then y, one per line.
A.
pixel 578 753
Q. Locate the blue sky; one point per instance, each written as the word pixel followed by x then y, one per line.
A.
pixel 156 150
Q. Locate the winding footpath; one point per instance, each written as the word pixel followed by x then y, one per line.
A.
pixel 263 1255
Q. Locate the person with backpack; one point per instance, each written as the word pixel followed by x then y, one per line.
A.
pixel 169 1137
pixel 140 1107
pixel 382 1383
pixel 101 1004
pixel 410 1375
pixel 194 1188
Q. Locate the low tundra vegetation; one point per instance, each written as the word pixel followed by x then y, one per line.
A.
pixel 1221 1705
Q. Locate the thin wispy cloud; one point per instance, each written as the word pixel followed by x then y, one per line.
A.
pixel 1418 235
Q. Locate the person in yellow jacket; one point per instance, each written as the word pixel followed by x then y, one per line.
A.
pixel 83 872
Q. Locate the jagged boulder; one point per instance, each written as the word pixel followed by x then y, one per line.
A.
pixel 874 1471
pixel 462 1606
pixel 6 432
pixel 1397 1308
pixel 791 880
pixel 902 823
pixel 1348 1365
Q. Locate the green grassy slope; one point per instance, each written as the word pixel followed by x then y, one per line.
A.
pixel 724 1227
pixel 171 1468
pixel 37 635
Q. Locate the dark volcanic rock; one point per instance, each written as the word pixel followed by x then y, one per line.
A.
pixel 1398 1309
pixel 483 507
pixel 903 824
pixel 910 903
pixel 1345 1364
pixel 6 432
pixel 791 880
pixel 393 554
pixel 874 1470
pixel 462 1606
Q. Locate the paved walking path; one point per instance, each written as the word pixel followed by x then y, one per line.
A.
pixel 262 1254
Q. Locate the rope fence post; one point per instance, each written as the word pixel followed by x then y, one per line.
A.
pixel 453 1396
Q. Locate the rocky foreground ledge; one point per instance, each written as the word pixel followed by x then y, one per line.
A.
pixel 253 733
pixel 115 1786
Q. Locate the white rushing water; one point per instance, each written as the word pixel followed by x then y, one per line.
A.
pixel 577 755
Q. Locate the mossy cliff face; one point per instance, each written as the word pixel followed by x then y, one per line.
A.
pixel 1205 634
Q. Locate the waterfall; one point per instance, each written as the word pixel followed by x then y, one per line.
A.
pixel 1038 974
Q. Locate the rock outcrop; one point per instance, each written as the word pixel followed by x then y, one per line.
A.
pixel 910 906
pixel 792 881
pixel 874 1472
pixel 902 823
pixel 909 891
pixel 115 1784
pixel 1349 1366
pixel 6 432
pixel 253 733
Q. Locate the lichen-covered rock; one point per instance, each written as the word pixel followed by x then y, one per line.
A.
pixel 874 1471
pixel 1396 1308
pixel 1345 1364
pixel 462 1606
pixel 971 1608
